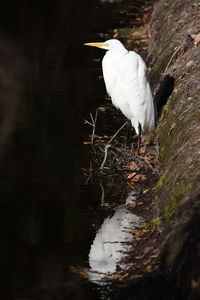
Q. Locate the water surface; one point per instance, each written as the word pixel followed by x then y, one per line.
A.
pixel 48 86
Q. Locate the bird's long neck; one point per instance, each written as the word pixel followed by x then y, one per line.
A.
pixel 119 52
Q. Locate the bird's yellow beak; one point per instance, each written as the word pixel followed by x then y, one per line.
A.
pixel 96 44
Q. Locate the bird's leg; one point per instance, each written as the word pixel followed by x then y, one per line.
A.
pixel 139 137
pixel 128 131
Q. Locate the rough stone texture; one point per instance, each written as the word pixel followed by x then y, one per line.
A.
pixel 174 54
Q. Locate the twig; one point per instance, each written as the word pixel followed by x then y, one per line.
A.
pixel 183 113
pixel 148 163
pixel 93 124
pixel 169 62
pixel 94 120
pixel 108 145
pixel 102 195
pixel 90 175
pixel 105 155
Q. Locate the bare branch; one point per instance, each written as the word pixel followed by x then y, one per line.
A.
pixel 93 124
pixel 87 122
pixel 108 145
pixel 90 174
pixel 105 155
pixel 102 195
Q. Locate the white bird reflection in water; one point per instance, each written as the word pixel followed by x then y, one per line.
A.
pixel 111 242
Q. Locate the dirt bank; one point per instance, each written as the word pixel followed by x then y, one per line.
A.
pixel 174 54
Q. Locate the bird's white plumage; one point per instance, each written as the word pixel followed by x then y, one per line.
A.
pixel 125 76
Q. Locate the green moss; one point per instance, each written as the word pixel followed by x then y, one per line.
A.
pixel 153 223
pixel 171 208
pixel 180 113
pixel 172 204
pixel 172 10
pixel 164 179
pixel 166 108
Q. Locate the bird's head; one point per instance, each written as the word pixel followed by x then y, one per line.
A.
pixel 111 45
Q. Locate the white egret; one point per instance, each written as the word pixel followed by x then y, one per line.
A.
pixel 125 76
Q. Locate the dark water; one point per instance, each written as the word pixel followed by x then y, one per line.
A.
pixel 48 86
